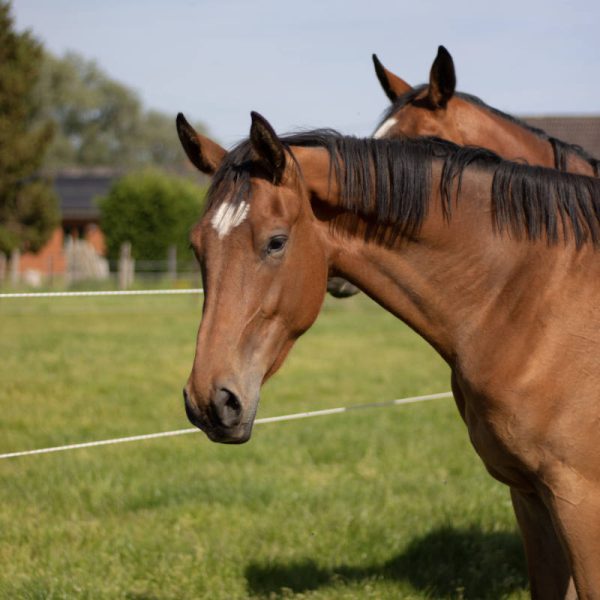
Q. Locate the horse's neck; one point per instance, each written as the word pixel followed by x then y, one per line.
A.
pixel 510 140
pixel 578 164
pixel 456 277
pixel 515 142
pixel 447 282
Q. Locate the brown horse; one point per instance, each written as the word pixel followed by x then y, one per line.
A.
pixel 495 263
pixel 437 109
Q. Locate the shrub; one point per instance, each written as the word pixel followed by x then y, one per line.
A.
pixel 153 211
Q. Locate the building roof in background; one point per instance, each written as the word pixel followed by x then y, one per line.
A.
pixel 582 131
pixel 78 189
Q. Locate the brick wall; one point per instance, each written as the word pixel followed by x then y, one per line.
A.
pixel 51 257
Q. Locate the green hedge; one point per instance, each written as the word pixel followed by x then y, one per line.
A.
pixel 152 210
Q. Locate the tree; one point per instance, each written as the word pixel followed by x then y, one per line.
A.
pixel 100 121
pixel 153 211
pixel 28 206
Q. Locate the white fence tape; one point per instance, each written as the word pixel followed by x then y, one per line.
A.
pixel 292 417
pixel 150 436
pixel 103 293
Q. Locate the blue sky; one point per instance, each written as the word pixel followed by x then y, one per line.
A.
pixel 308 63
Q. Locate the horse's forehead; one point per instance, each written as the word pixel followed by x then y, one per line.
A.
pixel 385 127
pixel 415 118
pixel 264 200
pixel 268 201
pixel 229 215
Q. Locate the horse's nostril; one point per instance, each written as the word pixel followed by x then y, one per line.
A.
pixel 191 410
pixel 227 407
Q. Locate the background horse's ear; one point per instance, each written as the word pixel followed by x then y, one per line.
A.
pixel 442 79
pixel 267 146
pixel 392 85
pixel 205 154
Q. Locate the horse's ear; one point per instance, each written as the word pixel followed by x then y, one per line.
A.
pixel 442 79
pixel 392 85
pixel 267 146
pixel 205 154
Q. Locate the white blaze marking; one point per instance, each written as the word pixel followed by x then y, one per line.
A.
pixel 385 127
pixel 229 216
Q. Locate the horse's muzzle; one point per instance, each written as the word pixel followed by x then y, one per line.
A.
pixel 222 420
pixel 338 287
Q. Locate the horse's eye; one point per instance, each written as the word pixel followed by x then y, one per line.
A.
pixel 276 245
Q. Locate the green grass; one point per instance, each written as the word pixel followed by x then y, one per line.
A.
pixel 386 503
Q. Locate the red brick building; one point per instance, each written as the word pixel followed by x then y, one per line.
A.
pixel 78 191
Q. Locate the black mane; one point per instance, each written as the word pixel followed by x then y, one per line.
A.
pixel 561 149
pixel 390 180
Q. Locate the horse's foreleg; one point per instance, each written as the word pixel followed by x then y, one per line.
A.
pixel 547 565
pixel 579 524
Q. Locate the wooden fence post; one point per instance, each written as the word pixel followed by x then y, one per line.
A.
pixel 126 266
pixel 50 274
pixel 15 266
pixel 172 262
pixel 68 250
pixel 3 261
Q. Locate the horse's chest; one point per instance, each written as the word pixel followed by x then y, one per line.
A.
pixel 504 449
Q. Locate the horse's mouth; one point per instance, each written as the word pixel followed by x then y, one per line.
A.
pixel 240 435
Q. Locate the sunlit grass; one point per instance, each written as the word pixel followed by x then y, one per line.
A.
pixel 387 503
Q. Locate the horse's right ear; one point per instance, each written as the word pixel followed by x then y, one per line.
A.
pixel 442 79
pixel 392 85
pixel 267 147
pixel 205 154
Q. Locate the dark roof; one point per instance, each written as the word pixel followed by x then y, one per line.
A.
pixel 78 190
pixel 582 131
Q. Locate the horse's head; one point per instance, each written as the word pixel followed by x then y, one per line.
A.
pixel 264 269
pixel 428 110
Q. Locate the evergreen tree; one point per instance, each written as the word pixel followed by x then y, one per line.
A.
pixel 28 206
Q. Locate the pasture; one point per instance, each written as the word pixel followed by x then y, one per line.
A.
pixel 385 503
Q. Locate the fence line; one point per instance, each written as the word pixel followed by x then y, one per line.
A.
pixel 277 419
pixel 102 293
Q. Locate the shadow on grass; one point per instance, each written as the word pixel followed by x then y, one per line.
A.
pixel 445 563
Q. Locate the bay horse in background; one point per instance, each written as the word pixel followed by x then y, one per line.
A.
pixel 436 109
pixel 496 264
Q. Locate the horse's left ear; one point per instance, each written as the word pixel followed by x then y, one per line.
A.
pixel 442 79
pixel 267 146
pixel 205 154
pixel 392 85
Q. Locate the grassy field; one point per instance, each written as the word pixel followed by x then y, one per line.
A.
pixel 386 503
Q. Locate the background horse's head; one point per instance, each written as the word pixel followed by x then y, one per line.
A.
pixel 431 109
pixel 436 109
pixel 264 269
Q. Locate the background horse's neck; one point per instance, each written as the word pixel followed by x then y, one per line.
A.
pixel 511 140
pixel 481 126
pixel 577 164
